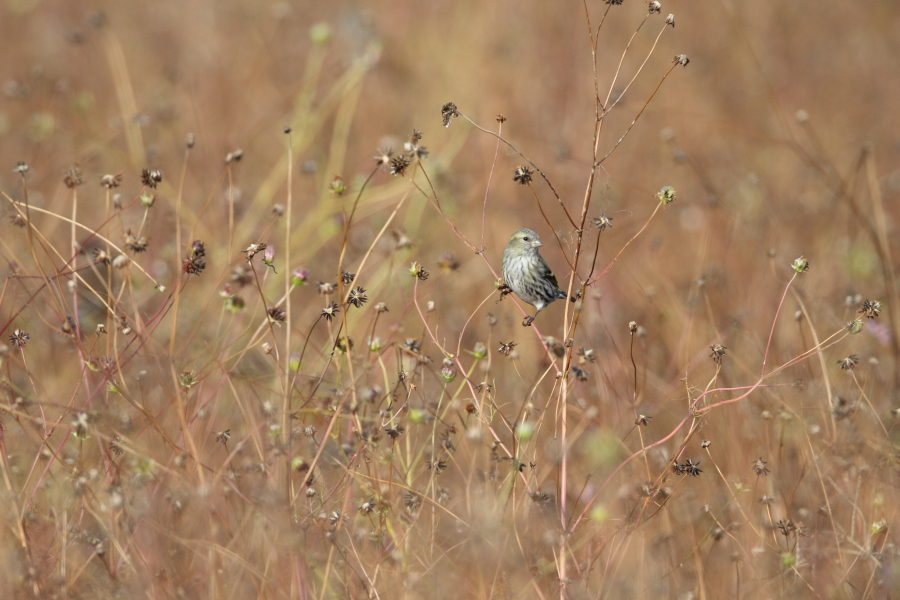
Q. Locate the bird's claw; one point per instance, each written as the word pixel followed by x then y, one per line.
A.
pixel 527 321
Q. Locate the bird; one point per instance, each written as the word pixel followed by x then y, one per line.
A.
pixel 527 274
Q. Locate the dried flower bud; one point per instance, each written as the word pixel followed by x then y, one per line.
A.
pixel 449 111
pixel 800 265
pixel 666 195
pixel 299 276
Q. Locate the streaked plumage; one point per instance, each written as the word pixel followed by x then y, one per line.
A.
pixel 527 274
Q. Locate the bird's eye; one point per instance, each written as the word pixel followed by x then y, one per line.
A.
pixel 525 239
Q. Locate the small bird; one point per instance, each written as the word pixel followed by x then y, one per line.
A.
pixel 527 274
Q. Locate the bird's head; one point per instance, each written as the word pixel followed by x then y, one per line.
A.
pixel 526 239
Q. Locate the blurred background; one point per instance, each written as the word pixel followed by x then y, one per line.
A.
pixel 780 137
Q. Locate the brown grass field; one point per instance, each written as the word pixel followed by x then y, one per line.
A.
pixel 196 403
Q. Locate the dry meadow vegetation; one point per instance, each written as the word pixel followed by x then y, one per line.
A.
pixel 242 359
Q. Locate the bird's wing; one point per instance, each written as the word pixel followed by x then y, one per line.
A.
pixel 548 274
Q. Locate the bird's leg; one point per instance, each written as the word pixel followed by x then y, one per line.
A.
pixel 527 321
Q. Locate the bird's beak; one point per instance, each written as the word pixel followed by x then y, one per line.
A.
pixel 536 244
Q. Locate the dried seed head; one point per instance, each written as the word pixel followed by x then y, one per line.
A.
pixel 276 315
pixel 121 261
pixel 448 262
pixel 506 348
pixel 654 6
pixel 135 244
pixel 849 363
pixel 399 164
pixel 586 355
pixel 670 20
pixel 330 311
pixel 111 181
pixel 602 222
pixel 580 374
pixel 194 265
pixel 254 249
pixel 761 468
pixel 357 297
pixel 73 177
pixel 417 270
pixel 20 168
pixel 402 240
pixel 681 59
pixel 870 309
pixel 718 353
pixel 522 175
pixel 448 111
pixel 19 338
pixel 383 158
pixel 151 177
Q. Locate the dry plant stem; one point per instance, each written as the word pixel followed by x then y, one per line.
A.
pixel 693 412
pixel 628 243
pixel 265 307
pixel 487 188
pixel 640 112
pixel 606 111
pixel 19 533
pixel 287 383
pixel 179 198
pixel 528 160
pixel 125 95
pixel 437 205
pixel 550 225
pixel 84 227
pixel 345 294
pixel 594 41
pixel 462 369
pixel 887 262
pixel 209 198
pixel 30 230
pixel 828 391
pixel 865 397
pixel 230 172
pixel 178 248
pixel 75 252
pixel 774 322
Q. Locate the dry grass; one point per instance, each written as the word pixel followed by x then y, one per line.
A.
pixel 193 419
